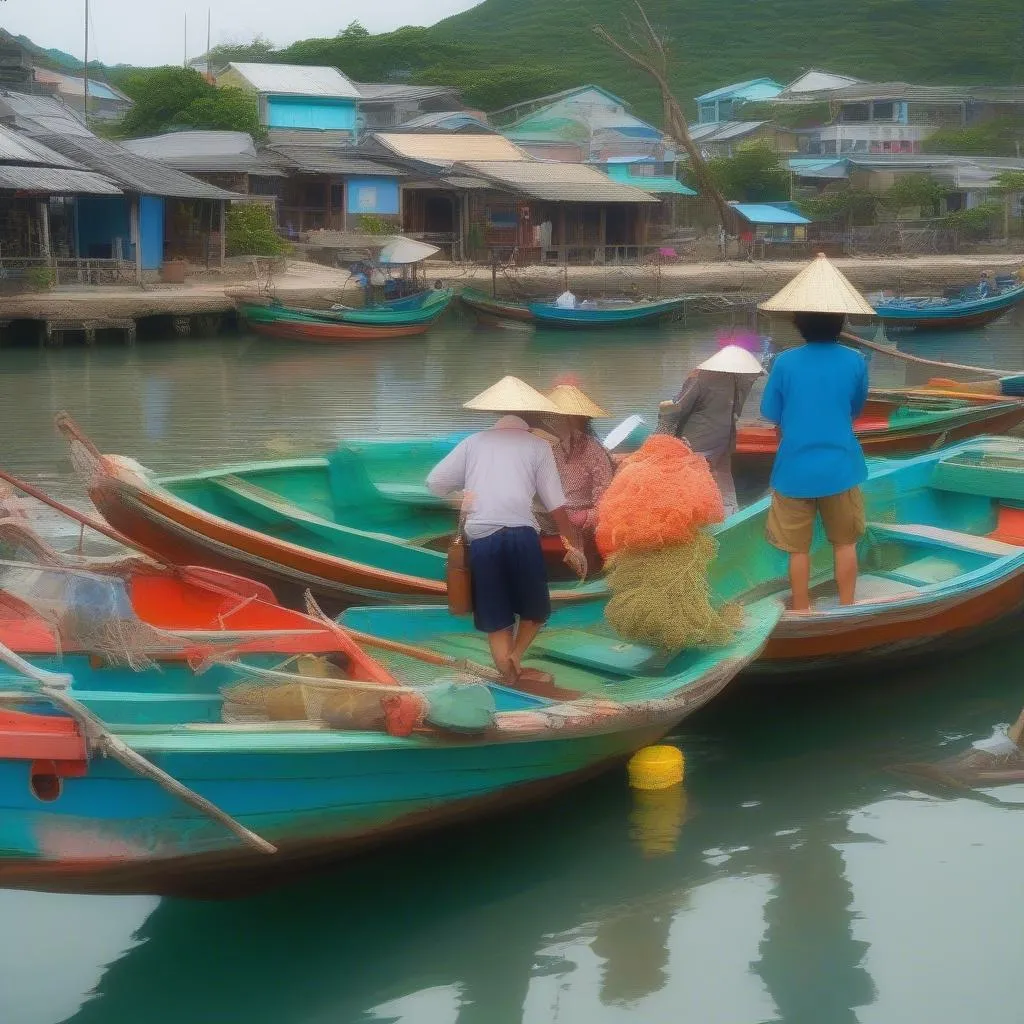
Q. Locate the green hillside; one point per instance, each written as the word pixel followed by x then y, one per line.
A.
pixel 716 42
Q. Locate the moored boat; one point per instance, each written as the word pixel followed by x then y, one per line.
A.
pixel 934 313
pixel 308 791
pixel 489 309
pixel 280 322
pixel 605 314
pixel 422 308
pixel 316 523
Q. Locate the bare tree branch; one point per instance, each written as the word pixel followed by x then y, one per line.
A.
pixel 652 57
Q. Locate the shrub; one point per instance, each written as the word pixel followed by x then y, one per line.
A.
pixel 251 231
pixel 40 279
pixel 371 224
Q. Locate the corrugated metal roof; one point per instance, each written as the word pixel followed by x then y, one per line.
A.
pixel 753 88
pixel 134 173
pixel 20 149
pixel 1009 94
pixel 328 160
pixel 558 182
pixel 446 149
pixel 297 80
pixel 448 120
pixel 766 213
pixel 723 131
pixel 663 184
pixel 72 85
pixel 818 81
pixel 56 181
pixel 35 114
pixel 386 92
pixel 210 151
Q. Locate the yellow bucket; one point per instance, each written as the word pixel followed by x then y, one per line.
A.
pixel 656 767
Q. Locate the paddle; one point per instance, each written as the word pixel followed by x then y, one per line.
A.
pixel 54 687
pixel 889 350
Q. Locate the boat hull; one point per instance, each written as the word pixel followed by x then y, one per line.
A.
pixel 329 333
pixel 638 314
pixel 151 846
pixel 488 310
pixel 954 316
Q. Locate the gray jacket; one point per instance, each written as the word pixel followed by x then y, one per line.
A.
pixel 705 412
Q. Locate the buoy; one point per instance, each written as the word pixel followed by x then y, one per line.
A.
pixel 656 767
pixel 657 819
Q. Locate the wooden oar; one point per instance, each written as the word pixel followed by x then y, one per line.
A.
pixel 889 350
pixel 54 687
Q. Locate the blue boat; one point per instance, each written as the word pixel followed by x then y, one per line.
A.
pixel 605 314
pixel 313 789
pixel 965 310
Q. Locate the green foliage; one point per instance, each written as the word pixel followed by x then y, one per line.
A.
pixel 999 137
pixel 921 191
pixel 753 174
pixel 354 30
pixel 259 51
pixel 497 85
pixel 40 279
pixel 853 207
pixel 977 222
pixel 1011 181
pixel 168 98
pixel 803 115
pixel 371 224
pixel 251 231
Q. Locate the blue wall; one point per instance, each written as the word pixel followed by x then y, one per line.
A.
pixel 101 219
pixel 372 195
pixel 307 112
pixel 151 231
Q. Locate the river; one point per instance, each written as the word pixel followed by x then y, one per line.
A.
pixel 795 879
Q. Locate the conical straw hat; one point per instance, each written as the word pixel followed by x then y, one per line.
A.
pixel 511 394
pixel 732 359
pixel 573 402
pixel 819 288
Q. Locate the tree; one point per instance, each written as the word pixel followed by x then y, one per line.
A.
pixel 1000 137
pixel 652 56
pixel 250 231
pixel 354 30
pixel 753 174
pixel 258 50
pixel 169 98
pixel 917 190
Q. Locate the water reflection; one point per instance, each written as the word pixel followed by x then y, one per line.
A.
pixel 560 906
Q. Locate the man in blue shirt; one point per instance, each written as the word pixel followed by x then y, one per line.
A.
pixel 813 395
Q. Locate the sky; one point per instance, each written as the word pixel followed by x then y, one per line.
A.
pixel 150 32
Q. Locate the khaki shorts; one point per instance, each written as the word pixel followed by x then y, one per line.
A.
pixel 791 520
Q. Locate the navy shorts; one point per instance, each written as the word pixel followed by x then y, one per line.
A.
pixel 509 579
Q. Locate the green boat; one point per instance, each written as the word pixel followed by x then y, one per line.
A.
pixel 424 308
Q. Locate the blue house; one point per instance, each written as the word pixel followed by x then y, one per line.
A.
pixel 299 104
pixel 724 104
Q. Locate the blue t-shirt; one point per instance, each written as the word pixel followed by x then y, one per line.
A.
pixel 813 393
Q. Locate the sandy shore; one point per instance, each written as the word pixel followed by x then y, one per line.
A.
pixel 313 284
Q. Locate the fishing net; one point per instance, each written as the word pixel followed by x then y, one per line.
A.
pixel 663 494
pixel 662 599
pixel 316 690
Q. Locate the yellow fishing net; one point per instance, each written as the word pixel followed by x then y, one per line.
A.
pixel 661 598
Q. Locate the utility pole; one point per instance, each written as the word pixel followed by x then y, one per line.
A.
pixel 209 59
pixel 85 78
pixel 184 57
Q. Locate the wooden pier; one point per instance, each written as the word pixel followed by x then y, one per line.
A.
pixel 54 330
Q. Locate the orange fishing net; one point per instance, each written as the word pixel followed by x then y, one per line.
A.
pixel 662 495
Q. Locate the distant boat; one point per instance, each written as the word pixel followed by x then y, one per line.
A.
pixel 489 309
pixel 947 313
pixel 314 787
pixel 605 313
pixel 385 321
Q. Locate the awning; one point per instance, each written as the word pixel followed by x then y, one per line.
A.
pixel 402 250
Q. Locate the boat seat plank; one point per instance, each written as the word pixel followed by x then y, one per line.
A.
pixel 272 507
pixel 925 571
pixel 948 538
pixel 987 480
pixel 598 652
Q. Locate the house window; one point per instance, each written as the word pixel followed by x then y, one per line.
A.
pixel 725 110
pixel 883 111
pixel 366 198
pixel 855 113
pixel 708 113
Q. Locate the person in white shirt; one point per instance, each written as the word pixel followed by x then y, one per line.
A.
pixel 566 300
pixel 501 471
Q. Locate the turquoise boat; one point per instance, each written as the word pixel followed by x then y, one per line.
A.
pixel 941 568
pixel 605 314
pixel 72 821
pixel 935 313
pixel 422 308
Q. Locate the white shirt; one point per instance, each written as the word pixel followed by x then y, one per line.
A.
pixel 566 300
pixel 501 470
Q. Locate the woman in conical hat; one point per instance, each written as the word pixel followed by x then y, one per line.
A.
pixel 501 471
pixel 705 412
pixel 584 465
pixel 813 395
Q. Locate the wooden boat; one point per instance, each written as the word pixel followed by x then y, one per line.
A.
pixel 316 523
pixel 892 423
pixel 74 822
pixel 488 309
pixel 936 313
pixel 942 566
pixel 605 314
pixel 422 308
pixel 307 329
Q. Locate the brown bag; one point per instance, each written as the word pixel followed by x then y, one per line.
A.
pixel 457 573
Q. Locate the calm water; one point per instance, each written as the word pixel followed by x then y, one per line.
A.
pixel 795 880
